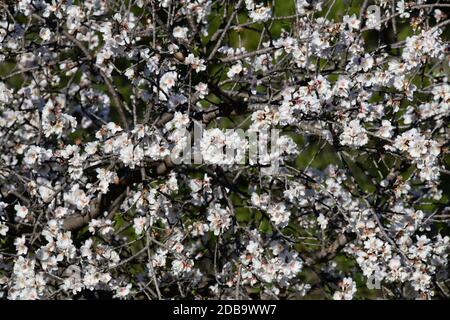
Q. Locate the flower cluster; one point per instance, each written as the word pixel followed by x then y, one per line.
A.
pixel 321 165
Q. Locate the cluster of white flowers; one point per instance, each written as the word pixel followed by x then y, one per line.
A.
pixel 257 11
pixel 306 100
pixel 347 288
pixel 77 197
pixel 354 135
pixel 282 268
pixel 279 214
pixel 36 155
pixel 421 47
pixel 223 147
pixel 5 94
pixel 180 32
pixel 168 81
pixel 235 70
pixel 105 178
pixel 196 64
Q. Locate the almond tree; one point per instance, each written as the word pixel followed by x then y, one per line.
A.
pixel 99 98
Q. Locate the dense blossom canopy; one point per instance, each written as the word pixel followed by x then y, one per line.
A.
pixel 96 96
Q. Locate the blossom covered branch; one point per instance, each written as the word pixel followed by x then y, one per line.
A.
pixel 99 99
